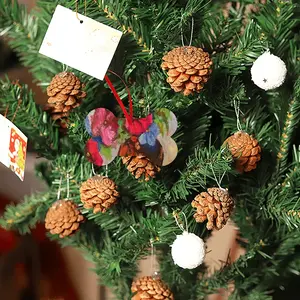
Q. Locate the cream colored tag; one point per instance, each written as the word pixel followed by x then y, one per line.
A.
pixel 13 147
pixel 87 46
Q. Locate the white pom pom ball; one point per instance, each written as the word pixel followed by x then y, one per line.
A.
pixel 268 71
pixel 188 251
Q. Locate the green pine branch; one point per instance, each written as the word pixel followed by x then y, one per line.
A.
pixel 267 199
pixel 290 124
pixel 25 32
pixel 244 50
pixel 26 214
pixel 244 273
pixel 277 21
pixel 18 101
pixel 227 274
pixel 283 205
pixel 25 36
pixel 205 166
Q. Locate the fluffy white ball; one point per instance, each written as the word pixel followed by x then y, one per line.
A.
pixel 188 250
pixel 268 71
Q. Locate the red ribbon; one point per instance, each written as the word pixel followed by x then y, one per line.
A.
pixel 129 116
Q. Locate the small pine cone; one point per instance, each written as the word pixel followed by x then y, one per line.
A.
pixel 140 166
pixel 150 288
pixel 99 193
pixel 188 69
pixel 64 94
pixel 215 206
pixel 245 151
pixel 63 218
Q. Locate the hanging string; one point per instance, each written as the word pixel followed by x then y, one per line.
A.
pixel 181 32
pixel 146 98
pixel 81 172
pixel 179 222
pixel 237 113
pixel 93 170
pixel 217 182
pixel 222 177
pixel 127 90
pixel 76 11
pixel 6 111
pixel 59 188
pixel 65 68
pixel 19 102
pixel 192 32
pixel 186 221
pixel 68 186
pixel 14 116
pixel 85 5
pixel 152 256
pixel 129 117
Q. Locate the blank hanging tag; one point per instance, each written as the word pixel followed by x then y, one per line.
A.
pixel 13 147
pixel 80 42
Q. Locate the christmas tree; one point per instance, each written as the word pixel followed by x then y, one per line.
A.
pixel 217 66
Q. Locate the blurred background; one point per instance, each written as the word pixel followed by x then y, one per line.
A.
pixel 32 267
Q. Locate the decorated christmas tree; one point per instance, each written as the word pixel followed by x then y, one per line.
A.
pixel 194 123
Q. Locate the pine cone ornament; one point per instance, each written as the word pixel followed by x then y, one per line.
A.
pixel 140 166
pixel 215 206
pixel 150 288
pixel 99 193
pixel 188 69
pixel 64 94
pixel 63 218
pixel 245 150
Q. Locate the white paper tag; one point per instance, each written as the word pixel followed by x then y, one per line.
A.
pixel 88 46
pixel 13 147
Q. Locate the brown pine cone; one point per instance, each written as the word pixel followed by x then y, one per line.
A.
pixel 245 151
pixel 63 218
pixel 140 166
pixel 99 193
pixel 188 69
pixel 64 94
pixel 150 288
pixel 215 206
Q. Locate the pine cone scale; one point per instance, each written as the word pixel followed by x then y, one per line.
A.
pixel 63 218
pixel 245 150
pixel 151 288
pixel 186 65
pixel 99 193
pixel 65 90
pixel 215 206
pixel 140 166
